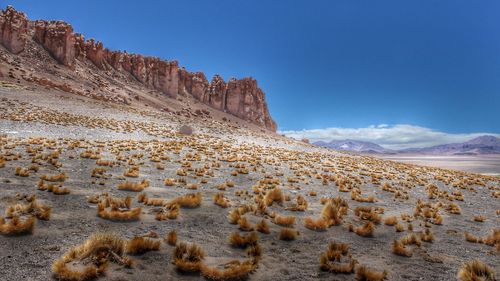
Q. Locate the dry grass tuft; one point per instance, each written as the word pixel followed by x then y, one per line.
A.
pixel 476 270
pixel 243 241
pixel 244 224
pixel 140 245
pixel 220 201
pixel 170 211
pixel 479 218
pixel 263 227
pixel 363 273
pixel 55 178
pixel 287 221
pixel 493 239
pixel 334 210
pixel 274 195
pixel 288 234
pixel 17 226
pixel 427 236
pixel 337 259
pixel 391 220
pixel 191 200
pixel 188 257
pixel 319 224
pixel 171 238
pixel 91 257
pixel 134 186
pixel 116 212
pixel 367 230
pixel 399 249
pixel 40 211
pixel 234 270
pixel 22 172
pixel 169 182
pixel 471 238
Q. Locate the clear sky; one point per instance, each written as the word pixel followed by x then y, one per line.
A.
pixel 322 64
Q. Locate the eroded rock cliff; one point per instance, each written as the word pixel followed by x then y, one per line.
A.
pixel 239 97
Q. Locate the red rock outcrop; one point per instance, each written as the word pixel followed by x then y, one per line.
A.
pixel 242 98
pixel 246 100
pixel 58 39
pixel 13 30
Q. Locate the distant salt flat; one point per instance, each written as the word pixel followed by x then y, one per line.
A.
pixel 483 164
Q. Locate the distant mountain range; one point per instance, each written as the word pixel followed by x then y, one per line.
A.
pixel 354 145
pixel 477 146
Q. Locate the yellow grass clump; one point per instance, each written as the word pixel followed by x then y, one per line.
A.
pixel 170 211
pixel 191 200
pixel 22 172
pixel 58 189
pixel 316 224
pixel 169 182
pixel 220 201
pixel 40 211
pixel 244 224
pixel 471 238
pixel 288 234
pixel 337 259
pixel 476 270
pixel 132 172
pixel 493 239
pixel 243 241
pixel 171 238
pixel 140 245
pixel 116 213
pixel 391 220
pixel 263 227
pixel 363 273
pixel 188 257
pixel 274 195
pixel 55 178
pixel 367 230
pixel 479 218
pixel 134 186
pixel 234 270
pixel 17 226
pixel 91 258
pixel 399 249
pixel 287 221
pixel 427 236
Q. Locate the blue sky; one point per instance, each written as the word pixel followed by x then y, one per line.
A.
pixel 323 64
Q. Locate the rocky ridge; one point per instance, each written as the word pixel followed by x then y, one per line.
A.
pixel 239 97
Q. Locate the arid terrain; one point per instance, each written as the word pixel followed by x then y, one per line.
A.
pixel 78 139
pixel 169 187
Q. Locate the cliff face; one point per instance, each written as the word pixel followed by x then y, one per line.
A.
pixel 242 98
pixel 58 39
pixel 13 30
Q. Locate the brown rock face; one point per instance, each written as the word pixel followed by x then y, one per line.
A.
pixel 242 98
pixel 13 30
pixel 58 39
pixel 246 100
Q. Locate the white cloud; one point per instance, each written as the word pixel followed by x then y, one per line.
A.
pixel 393 137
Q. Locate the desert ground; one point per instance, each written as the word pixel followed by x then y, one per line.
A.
pixel 258 205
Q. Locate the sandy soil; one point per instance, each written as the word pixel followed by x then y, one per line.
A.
pixel 32 119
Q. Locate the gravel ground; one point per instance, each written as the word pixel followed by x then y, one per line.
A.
pixel 73 220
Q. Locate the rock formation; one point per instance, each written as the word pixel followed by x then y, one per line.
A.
pixel 242 98
pixel 58 39
pixel 13 30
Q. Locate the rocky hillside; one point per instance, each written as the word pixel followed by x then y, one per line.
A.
pixel 51 55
